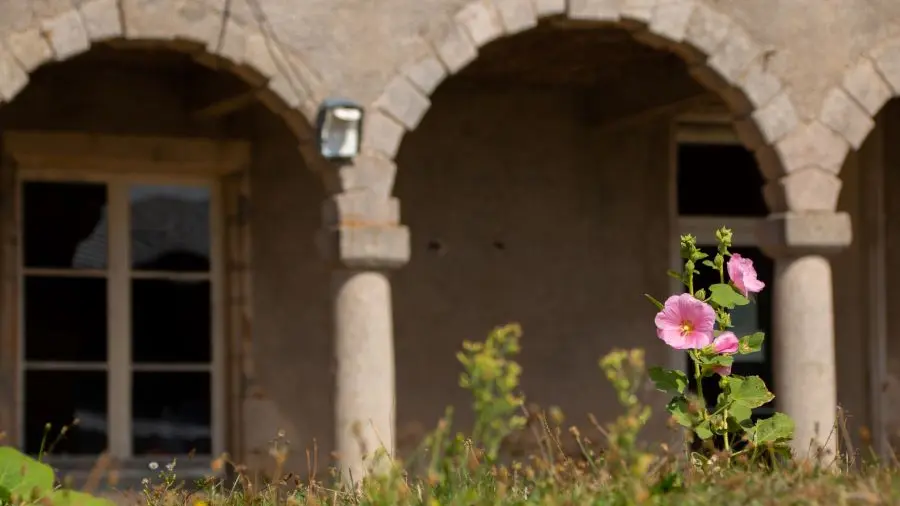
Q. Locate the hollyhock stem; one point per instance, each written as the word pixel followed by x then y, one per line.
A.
pixel 699 379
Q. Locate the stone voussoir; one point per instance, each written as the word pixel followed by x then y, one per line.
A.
pixel 455 48
pixel 381 133
pixel 670 19
pixel 887 61
pixel 846 117
pixel 368 171
pixel 426 73
pixel 760 85
pixel 102 19
pixel 404 102
pixel 812 144
pixel 595 10
pixel 543 8
pixel 516 15
pixel 30 48
pixel 66 34
pixel 707 29
pixel 233 44
pixel 637 13
pixel 866 86
pixel 777 119
pixel 734 55
pixel 360 208
pixel 481 20
pixel 13 77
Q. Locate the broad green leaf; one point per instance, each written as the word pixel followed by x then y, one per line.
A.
pixel 740 412
pixel 74 498
pixel 709 264
pixel 670 381
pixel 726 296
pixel 778 427
pixel 680 411
pixel 22 475
pixel 751 343
pixel 750 391
pixel 659 305
pixel 703 430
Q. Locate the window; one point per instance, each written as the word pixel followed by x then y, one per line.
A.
pixel 120 327
pixel 704 168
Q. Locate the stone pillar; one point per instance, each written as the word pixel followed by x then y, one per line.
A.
pixel 803 350
pixel 365 397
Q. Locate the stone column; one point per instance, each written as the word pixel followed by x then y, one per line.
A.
pixel 805 382
pixel 365 395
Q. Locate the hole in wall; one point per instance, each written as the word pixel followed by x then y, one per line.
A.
pixel 435 246
pixel 499 245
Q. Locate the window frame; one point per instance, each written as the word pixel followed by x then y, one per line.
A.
pixel 63 156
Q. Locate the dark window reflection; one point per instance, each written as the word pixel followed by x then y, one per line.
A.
pixel 170 228
pixel 65 319
pixel 719 180
pixel 171 321
pixel 59 397
pixel 64 225
pixel 172 413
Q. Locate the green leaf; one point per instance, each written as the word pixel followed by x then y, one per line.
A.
pixel 709 264
pixel 726 296
pixel 22 475
pixel 680 411
pixel 778 427
pixel 659 305
pixel 670 381
pixel 675 274
pixel 750 391
pixel 740 412
pixel 751 344
pixel 703 430
pixel 74 498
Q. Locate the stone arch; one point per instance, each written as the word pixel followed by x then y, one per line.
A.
pixel 720 54
pixel 216 39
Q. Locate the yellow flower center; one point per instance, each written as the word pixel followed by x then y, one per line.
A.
pixel 686 327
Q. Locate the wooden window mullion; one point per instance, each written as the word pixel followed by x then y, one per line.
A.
pixel 119 321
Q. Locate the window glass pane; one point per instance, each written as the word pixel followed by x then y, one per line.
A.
pixel 170 228
pixel 58 398
pixel 64 225
pixel 171 321
pixel 65 319
pixel 172 413
pixel 705 169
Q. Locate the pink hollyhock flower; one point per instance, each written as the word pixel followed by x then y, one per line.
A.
pixel 723 370
pixel 685 323
pixel 727 342
pixel 743 275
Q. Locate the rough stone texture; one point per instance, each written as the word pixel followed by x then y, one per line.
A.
pixel 759 85
pixel 670 19
pixel 455 48
pixel 734 55
pixel 777 119
pixel 368 173
pixel 887 61
pixel 481 21
pixel 596 10
pixel 404 102
pixel 191 20
pixel 843 115
pixel 233 44
pixel 866 86
pixel 707 29
pixel 381 134
pixel 516 15
pixel 548 7
pixel 426 74
pixel 640 11
pixel 360 208
pixel 810 189
pixel 30 48
pixel 102 19
pixel 12 77
pixel 66 34
pixel 812 145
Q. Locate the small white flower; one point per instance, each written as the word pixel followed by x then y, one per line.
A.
pixel 145 481
pixel 170 467
pixel 153 466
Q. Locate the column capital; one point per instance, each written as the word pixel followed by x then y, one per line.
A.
pixel 365 247
pixel 795 234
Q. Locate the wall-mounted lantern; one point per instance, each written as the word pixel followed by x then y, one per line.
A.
pixel 339 129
